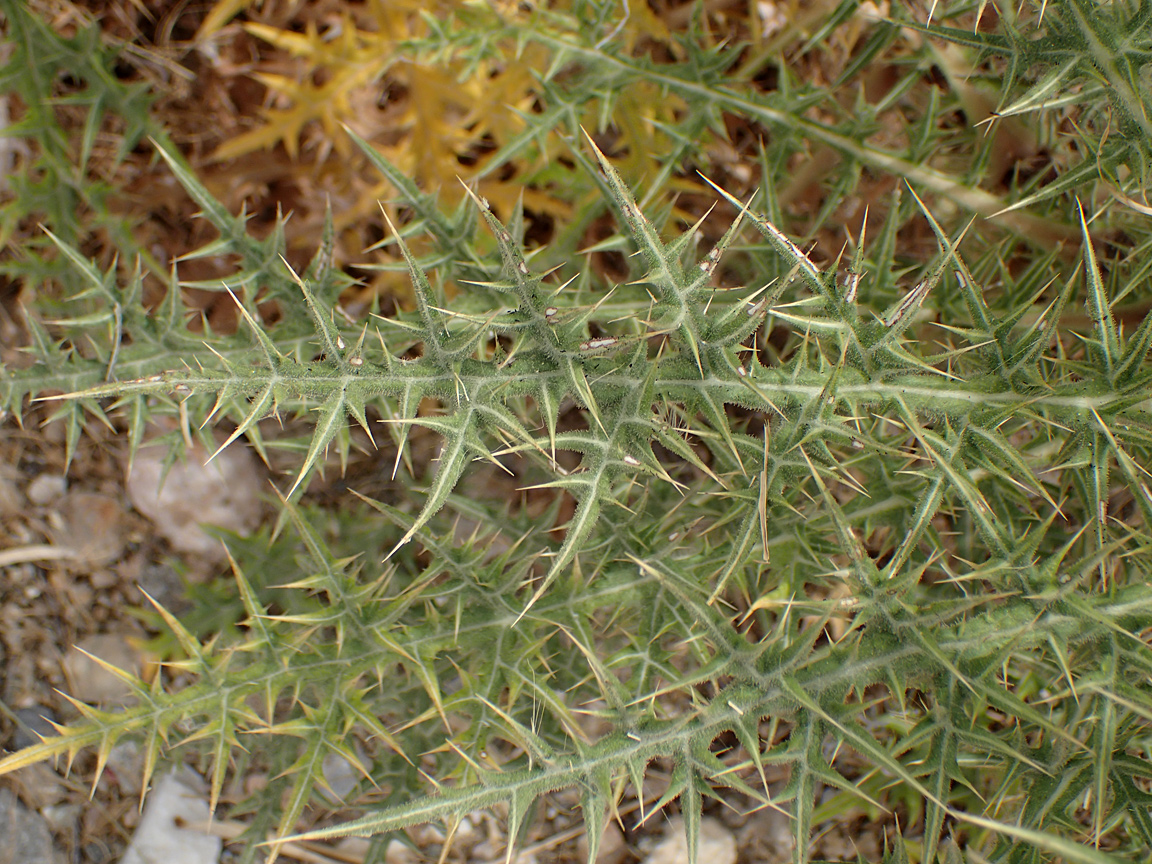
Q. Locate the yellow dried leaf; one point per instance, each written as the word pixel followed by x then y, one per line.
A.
pixel 221 14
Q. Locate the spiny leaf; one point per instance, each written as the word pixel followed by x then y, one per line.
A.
pixel 459 432
pixel 1109 340
pixel 788 250
pixel 332 416
pixel 212 209
pixel 331 340
pixel 578 528
pixel 433 331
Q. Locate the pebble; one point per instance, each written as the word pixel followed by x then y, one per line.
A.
pixel 62 817
pixel 46 488
pixel 717 845
pixel 767 837
pixel 25 834
pixel 163 584
pixel 613 848
pixel 400 853
pixel 341 776
pixel 90 682
pixel 126 766
pixel 159 838
pixel 93 528
pixel 224 492
pixel 11 499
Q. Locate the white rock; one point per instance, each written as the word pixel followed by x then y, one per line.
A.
pixel 717 845
pixel 90 682
pixel 93 528
pixel 126 762
pixel 224 492
pixel 46 488
pixel 340 775
pixel 400 853
pixel 158 838
pixel 613 847
pixel 24 835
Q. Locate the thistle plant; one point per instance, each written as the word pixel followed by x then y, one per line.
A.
pixel 787 518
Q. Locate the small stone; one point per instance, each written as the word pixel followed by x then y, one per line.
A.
pixel 340 775
pixel 400 853
pixel 46 488
pixel 466 833
pixel 41 789
pixel 160 836
pixel 163 584
pixel 61 817
pixel 93 527
pixel 25 835
pixel 103 579
pixel 89 681
pixel 11 500
pixel 612 849
pixel 485 851
pixel 766 837
pixel 717 845
pixel 126 766
pixel 224 492
pixel 491 852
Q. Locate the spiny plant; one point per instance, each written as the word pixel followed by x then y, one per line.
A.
pixel 528 79
pixel 709 557
pixel 802 533
pixel 1044 58
pixel 55 186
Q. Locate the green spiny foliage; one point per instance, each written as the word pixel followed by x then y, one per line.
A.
pixel 55 187
pixel 1050 56
pixel 924 544
pixel 976 427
